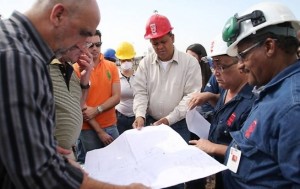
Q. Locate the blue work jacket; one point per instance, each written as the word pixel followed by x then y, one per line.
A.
pixel 269 140
pixel 230 116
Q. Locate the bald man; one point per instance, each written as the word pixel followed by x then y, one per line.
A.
pixel 28 156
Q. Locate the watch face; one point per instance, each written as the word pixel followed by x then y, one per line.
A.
pixel 99 108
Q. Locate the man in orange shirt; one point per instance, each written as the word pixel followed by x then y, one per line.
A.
pixel 99 127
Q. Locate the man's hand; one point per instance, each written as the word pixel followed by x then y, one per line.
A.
pixel 86 63
pixel 139 123
pixel 204 145
pixel 89 113
pixel 197 100
pixel 105 138
pixel 63 151
pixel 162 121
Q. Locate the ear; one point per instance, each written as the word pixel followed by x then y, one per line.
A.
pixel 57 14
pixel 173 38
pixel 270 46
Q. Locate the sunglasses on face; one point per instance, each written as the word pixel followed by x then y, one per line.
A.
pixel 97 44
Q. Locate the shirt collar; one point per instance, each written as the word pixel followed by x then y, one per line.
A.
pixel 285 73
pixel 101 57
pixel 55 61
pixel 33 35
pixel 121 76
pixel 174 58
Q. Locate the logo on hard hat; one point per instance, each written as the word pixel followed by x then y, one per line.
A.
pixel 153 29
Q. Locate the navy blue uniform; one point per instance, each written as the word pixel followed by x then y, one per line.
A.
pixel 269 140
pixel 229 117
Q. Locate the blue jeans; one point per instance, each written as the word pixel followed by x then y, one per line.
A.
pixel 89 140
pixel 124 122
pixel 180 127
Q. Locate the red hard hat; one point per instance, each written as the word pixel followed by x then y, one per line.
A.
pixel 157 26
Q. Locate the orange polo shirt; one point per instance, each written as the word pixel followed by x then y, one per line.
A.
pixel 102 78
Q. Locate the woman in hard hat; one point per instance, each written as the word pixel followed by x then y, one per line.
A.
pixel 125 54
pixel 232 107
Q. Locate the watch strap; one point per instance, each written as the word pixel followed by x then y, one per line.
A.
pixel 87 86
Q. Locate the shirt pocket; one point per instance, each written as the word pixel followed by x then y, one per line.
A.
pixel 251 160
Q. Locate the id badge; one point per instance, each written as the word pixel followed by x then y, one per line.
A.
pixel 234 159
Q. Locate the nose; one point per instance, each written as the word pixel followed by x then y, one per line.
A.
pixel 216 71
pixel 241 66
pixel 159 46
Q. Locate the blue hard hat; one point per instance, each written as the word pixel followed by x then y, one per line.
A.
pixel 110 54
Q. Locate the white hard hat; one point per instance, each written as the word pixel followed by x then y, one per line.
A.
pixel 256 18
pixel 218 46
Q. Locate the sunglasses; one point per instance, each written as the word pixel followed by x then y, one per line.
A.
pixel 98 44
pixel 232 27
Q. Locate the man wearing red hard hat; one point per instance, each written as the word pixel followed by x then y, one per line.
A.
pixel 164 80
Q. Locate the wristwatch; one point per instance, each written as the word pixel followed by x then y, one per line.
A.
pixel 87 86
pixel 100 109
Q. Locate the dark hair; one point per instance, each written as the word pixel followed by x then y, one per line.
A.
pixel 198 49
pixel 205 69
pixel 98 33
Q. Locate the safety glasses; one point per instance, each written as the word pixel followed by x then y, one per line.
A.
pixel 243 55
pixel 221 67
pixel 232 27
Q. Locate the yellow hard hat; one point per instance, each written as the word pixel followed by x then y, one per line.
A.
pixel 125 51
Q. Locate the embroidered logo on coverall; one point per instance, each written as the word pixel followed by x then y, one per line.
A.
pixel 231 119
pixel 251 129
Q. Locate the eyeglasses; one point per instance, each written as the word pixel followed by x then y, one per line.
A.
pixel 98 44
pixel 242 55
pixel 221 68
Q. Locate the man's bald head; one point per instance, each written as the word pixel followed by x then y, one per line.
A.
pixel 64 23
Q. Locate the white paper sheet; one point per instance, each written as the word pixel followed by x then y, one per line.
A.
pixel 156 156
pixel 197 124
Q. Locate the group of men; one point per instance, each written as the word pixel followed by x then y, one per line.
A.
pixel 262 40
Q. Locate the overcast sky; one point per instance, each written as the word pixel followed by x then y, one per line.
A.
pixel 194 21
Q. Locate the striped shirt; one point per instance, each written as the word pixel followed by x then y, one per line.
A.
pixel 67 104
pixel 28 157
